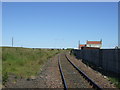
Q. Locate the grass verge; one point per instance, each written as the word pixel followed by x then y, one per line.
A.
pixel 115 81
pixel 24 62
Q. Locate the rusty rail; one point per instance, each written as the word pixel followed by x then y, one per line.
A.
pixel 62 75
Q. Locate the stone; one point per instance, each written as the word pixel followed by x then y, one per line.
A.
pixel 33 77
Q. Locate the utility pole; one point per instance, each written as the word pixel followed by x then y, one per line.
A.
pixel 12 41
pixel 79 44
pixel 119 26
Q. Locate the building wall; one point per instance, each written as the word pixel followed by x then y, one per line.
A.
pixel 94 45
pixel 107 59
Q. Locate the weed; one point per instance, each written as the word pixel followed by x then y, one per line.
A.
pixel 115 81
pixel 4 77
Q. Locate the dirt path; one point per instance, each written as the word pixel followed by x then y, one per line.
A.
pixel 49 77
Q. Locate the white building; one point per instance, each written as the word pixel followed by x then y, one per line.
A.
pixel 96 44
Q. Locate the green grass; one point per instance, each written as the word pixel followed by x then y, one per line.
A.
pixel 116 81
pixel 24 61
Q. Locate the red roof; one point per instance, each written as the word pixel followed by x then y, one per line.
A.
pixel 82 45
pixel 94 42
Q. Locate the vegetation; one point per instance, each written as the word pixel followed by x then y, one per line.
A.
pixel 24 62
pixel 69 49
pixel 115 80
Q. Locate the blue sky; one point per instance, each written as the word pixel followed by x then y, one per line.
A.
pixel 59 25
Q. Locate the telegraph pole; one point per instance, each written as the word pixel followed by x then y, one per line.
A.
pixel 79 44
pixel 12 41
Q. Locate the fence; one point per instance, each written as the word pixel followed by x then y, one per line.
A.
pixel 107 59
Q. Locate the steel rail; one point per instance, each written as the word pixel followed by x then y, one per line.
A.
pixel 62 75
pixel 85 76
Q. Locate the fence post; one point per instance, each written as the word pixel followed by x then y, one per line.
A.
pixel 117 62
pixel 100 58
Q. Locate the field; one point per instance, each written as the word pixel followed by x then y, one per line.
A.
pixel 24 62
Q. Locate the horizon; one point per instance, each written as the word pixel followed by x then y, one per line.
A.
pixel 59 25
pixel 52 48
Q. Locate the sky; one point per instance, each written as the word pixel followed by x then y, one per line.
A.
pixel 0 23
pixel 59 24
pixel 118 24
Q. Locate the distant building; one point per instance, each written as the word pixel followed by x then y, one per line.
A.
pixel 91 45
pixel 82 45
pixel 96 44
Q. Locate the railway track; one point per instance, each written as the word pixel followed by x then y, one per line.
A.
pixel 72 76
